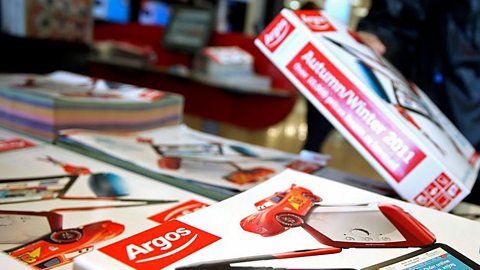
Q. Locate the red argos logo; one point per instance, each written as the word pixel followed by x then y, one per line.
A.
pixel 276 33
pixel 473 159
pixel 152 95
pixel 178 211
pixel 315 21
pixel 160 246
pixel 14 144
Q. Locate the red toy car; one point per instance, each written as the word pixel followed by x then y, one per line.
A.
pixel 280 211
pixel 340 226
pixel 245 176
pixel 60 247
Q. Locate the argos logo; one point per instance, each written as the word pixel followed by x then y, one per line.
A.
pixel 276 33
pixel 162 242
pixel 14 144
pixel 315 21
pixel 160 246
pixel 473 159
pixel 151 95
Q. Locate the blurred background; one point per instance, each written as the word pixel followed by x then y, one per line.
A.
pixel 40 36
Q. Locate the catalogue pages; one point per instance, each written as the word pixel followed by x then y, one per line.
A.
pixel 185 153
pixel 56 205
pixel 293 220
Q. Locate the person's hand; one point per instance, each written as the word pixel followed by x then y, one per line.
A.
pixel 372 41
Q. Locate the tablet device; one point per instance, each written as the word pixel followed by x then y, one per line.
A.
pixel 437 256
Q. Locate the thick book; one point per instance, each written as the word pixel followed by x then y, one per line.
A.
pixel 388 119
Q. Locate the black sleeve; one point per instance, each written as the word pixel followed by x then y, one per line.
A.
pixel 397 23
pixel 463 68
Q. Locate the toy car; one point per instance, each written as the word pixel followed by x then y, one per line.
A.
pixel 245 176
pixel 60 247
pixel 280 211
pixel 340 226
pixel 304 166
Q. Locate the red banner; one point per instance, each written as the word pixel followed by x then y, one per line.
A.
pixel 14 144
pixel 315 21
pixel 276 32
pixel 385 142
pixel 160 246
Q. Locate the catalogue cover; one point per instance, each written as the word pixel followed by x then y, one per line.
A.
pixel 56 205
pixel 387 118
pixel 184 153
pixel 293 220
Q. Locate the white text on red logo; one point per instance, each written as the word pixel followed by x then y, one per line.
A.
pixel 318 23
pixel 278 33
pixel 162 243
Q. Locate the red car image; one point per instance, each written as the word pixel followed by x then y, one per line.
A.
pixel 61 246
pixel 245 176
pixel 280 211
pixel 361 225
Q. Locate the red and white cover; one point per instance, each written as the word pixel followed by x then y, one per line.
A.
pixel 230 229
pixel 388 119
pixel 228 55
pixel 49 191
pixel 224 64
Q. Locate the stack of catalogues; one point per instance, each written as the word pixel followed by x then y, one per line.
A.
pixel 43 104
